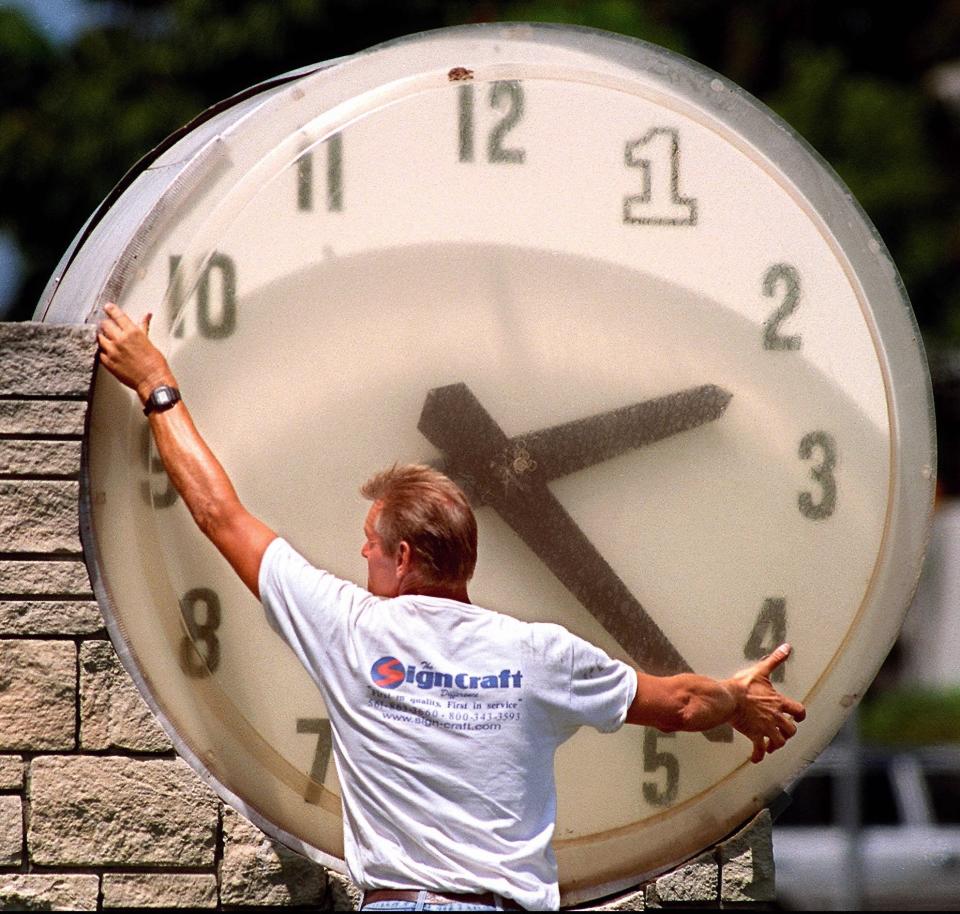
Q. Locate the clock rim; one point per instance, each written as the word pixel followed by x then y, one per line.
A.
pixel 910 499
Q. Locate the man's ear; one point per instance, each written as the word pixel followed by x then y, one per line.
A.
pixel 404 559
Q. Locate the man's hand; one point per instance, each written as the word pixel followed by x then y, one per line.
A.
pixel 127 353
pixel 767 718
pixel 694 703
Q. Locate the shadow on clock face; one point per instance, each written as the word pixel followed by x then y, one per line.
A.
pixel 737 496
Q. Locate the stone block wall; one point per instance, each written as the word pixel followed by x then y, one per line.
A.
pixel 96 810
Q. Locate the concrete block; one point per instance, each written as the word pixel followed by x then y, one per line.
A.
pixel 110 811
pixel 746 863
pixel 258 872
pixel 37 695
pixel 633 900
pixel 53 892
pixel 159 890
pixel 51 359
pixel 39 516
pixel 343 895
pixel 113 715
pixel 50 617
pixel 42 417
pixel 39 458
pixel 11 830
pixel 35 577
pixel 696 880
pixel 11 772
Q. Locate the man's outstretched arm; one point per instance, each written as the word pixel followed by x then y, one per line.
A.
pixel 127 353
pixel 748 701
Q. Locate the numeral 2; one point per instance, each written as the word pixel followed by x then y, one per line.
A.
pixel 787 276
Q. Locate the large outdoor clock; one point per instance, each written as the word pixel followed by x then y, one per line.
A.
pixel 615 297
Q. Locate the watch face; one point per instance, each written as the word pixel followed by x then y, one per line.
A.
pixel 621 304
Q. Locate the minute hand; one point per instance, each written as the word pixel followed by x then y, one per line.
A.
pixel 478 454
pixel 564 449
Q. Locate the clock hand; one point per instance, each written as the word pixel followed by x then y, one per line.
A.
pixel 573 446
pixel 564 449
pixel 478 456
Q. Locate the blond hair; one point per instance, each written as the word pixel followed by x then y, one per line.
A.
pixel 429 511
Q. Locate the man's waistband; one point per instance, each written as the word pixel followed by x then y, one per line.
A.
pixel 413 895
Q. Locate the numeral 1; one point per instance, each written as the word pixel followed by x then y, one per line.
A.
pixel 657 155
pixel 318 771
pixel 334 148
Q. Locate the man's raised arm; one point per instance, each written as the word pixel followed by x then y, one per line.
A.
pixel 127 353
pixel 748 701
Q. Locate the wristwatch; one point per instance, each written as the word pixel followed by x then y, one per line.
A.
pixel 161 398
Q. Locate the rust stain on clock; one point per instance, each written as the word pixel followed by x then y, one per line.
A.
pixel 457 74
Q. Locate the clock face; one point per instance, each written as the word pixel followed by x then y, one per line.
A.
pixel 645 329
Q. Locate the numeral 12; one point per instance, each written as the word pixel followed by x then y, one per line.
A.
pixel 504 96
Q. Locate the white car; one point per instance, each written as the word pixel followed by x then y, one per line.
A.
pixel 905 853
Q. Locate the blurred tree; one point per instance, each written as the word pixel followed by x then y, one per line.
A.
pixel 846 74
pixel 880 137
pixel 74 119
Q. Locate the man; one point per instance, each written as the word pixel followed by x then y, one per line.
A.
pixel 440 807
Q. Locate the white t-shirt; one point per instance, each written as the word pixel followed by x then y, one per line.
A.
pixel 445 719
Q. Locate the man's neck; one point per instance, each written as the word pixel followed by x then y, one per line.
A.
pixel 456 592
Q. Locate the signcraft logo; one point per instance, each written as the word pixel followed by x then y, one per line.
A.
pixel 387 673
pixel 390 673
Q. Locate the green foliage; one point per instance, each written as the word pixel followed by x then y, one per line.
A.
pixel 74 119
pixel 911 716
pixel 877 135
pixel 623 16
pixel 846 74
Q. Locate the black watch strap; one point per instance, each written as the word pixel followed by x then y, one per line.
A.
pixel 161 398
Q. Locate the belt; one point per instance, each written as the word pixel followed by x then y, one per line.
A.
pixel 485 898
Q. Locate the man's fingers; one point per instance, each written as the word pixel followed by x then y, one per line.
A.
pixel 116 312
pixel 776 740
pixel 145 323
pixel 115 323
pixel 119 316
pixel 108 329
pixel 796 710
pixel 770 718
pixel 769 663
pixel 786 726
